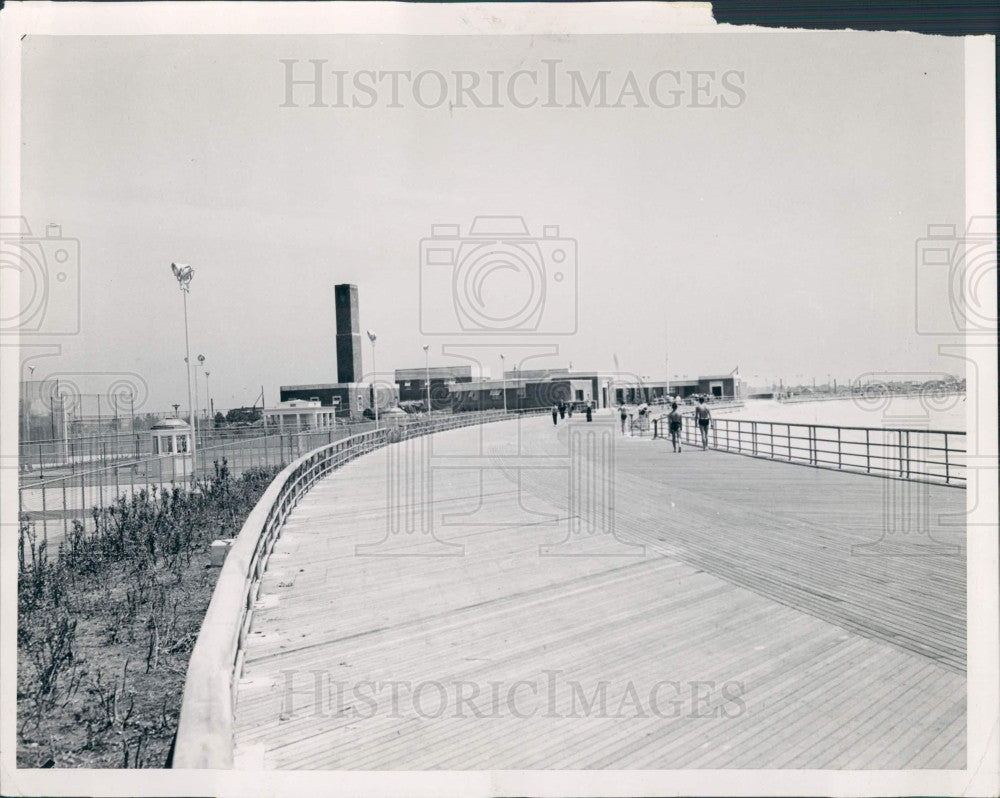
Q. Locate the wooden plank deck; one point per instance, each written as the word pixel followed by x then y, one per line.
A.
pixel 777 616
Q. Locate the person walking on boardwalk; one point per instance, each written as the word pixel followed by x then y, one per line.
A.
pixel 555 414
pixel 562 410
pixel 674 419
pixel 590 412
pixel 704 416
pixel 624 417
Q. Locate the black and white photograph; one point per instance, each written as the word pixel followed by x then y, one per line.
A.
pixel 495 399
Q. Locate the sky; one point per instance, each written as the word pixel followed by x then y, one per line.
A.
pixel 777 234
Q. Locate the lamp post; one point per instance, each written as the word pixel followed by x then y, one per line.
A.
pixel 371 337
pixel 184 274
pixel 196 412
pixel 208 400
pixel 503 372
pixel 427 375
pixel 201 365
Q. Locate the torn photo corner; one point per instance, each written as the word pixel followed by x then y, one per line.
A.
pixel 495 399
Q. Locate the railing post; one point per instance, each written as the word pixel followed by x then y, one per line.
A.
pixel 840 461
pixel 907 454
pixel 947 478
pixel 868 451
pixel 753 437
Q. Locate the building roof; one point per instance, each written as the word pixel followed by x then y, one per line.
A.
pixel 171 424
pixel 435 372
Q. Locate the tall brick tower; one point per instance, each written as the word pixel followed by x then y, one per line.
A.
pixel 348 334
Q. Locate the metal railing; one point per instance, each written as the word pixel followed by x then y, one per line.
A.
pixel 205 731
pixel 915 454
pixel 42 457
pixel 67 492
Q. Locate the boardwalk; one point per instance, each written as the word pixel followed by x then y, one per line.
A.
pixel 732 613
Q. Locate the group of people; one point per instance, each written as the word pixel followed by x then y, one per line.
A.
pixel 562 409
pixel 702 415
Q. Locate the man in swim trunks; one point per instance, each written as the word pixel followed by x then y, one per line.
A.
pixel 704 416
pixel 674 419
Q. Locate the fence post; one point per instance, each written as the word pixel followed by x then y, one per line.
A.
pixel 839 454
pixel 41 467
pixel 947 478
pixel 45 517
pixel 868 451
pixel 753 437
pixel 907 454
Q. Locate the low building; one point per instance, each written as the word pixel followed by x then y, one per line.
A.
pixel 300 414
pixel 411 383
pixel 529 390
pixel 348 400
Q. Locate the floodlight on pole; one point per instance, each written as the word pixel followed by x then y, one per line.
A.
pixel 427 374
pixel 372 337
pixel 184 274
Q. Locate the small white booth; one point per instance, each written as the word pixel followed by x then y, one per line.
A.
pixel 172 439
pixel 300 414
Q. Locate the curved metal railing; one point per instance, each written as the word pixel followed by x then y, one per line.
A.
pixel 205 731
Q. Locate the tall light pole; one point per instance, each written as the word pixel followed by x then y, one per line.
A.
pixel 184 274
pixel 197 401
pixel 371 337
pixel 503 372
pixel 427 374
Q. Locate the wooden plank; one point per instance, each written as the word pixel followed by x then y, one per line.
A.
pixel 748 578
